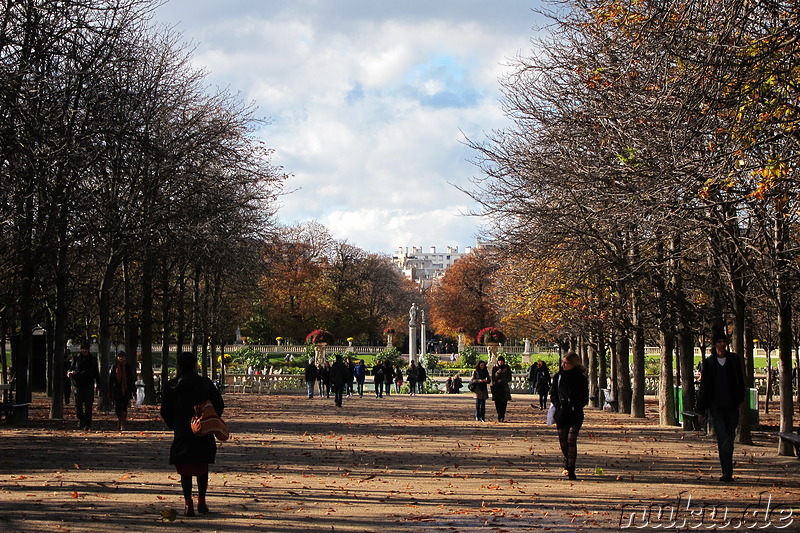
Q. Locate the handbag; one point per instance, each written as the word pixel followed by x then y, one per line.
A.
pixel 206 421
pixel 551 415
pixel 472 386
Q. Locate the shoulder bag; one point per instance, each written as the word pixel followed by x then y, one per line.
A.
pixel 206 421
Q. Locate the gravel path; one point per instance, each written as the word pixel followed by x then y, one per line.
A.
pixel 392 464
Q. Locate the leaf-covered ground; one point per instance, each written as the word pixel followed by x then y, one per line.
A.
pixel 398 463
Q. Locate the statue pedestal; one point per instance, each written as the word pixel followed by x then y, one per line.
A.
pixel 412 344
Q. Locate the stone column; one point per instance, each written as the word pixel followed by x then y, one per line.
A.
pixel 413 314
pixel 412 344
pixel 423 335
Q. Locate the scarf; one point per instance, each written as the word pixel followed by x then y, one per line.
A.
pixel 122 378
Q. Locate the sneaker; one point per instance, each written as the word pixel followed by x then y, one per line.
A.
pixel 726 478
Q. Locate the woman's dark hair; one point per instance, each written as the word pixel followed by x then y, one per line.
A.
pixel 477 366
pixel 575 359
pixel 187 362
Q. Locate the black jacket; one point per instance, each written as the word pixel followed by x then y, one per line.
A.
pixel 708 382
pixel 569 395
pixel 84 371
pixel 177 410
pixel 311 372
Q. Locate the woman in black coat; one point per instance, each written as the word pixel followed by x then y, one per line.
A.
pixel 189 453
pixel 569 395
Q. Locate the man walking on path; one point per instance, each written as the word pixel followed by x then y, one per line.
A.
pixel 84 375
pixel 721 393
pixel 339 377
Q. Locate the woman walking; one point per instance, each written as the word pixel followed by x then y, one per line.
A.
pixel 121 387
pixel 189 453
pixel 569 395
pixel 412 378
pixel 542 382
pixel 501 387
pixel 481 379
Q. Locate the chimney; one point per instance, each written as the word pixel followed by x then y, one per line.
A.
pixel 433 249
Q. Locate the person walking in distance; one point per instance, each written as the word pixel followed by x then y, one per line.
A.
pixel 542 383
pixel 501 387
pixel 86 378
pixel 722 391
pixel 310 376
pixel 339 376
pixel 377 372
pixel 360 373
pixel 480 380
pixel 121 388
pixel 569 395
pixel 412 376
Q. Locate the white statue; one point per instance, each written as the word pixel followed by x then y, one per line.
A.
pixel 412 315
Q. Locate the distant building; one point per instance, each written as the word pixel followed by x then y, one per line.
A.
pixel 424 268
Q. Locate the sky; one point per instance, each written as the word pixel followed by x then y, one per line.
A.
pixel 369 103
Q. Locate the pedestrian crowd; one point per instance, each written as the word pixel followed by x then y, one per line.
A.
pixel 346 378
pixel 720 395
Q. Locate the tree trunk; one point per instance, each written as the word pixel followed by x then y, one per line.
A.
pixel 637 408
pixel 104 330
pixel 686 362
pixel 146 324
pixel 623 371
pixel 739 307
pixel 784 303
pixel 60 329
pixel 666 396
pixel 167 325
pixel 592 349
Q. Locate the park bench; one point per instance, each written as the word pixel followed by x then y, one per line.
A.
pixel 693 420
pixel 8 408
pixel 792 438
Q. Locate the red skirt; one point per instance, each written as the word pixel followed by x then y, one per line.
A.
pixel 192 469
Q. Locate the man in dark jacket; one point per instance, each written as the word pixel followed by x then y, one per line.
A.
pixel 85 376
pixel 311 376
pixel 421 377
pixel 339 377
pixel 721 393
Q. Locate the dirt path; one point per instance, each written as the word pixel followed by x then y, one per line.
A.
pixel 411 464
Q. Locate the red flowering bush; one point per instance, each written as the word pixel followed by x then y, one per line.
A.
pixel 490 334
pixel 319 336
pixel 389 331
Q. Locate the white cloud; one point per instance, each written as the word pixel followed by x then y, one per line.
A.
pixel 367 100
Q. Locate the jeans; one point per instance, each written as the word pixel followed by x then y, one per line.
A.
pixel 379 388
pixel 725 422
pixel 310 387
pixel 360 387
pixel 480 409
